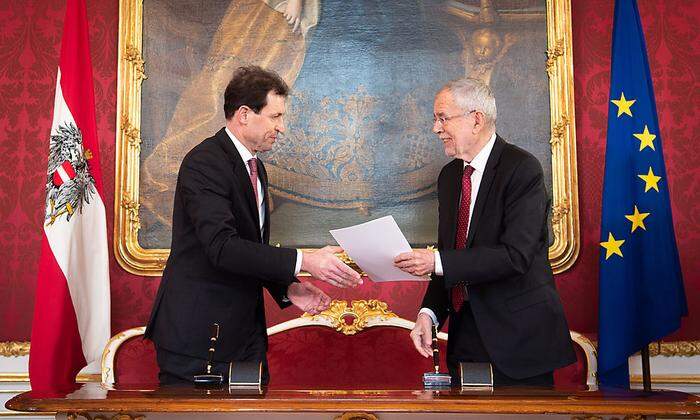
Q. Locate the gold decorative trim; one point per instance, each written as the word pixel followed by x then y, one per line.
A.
pixel 132 54
pixel 675 348
pixel 559 131
pixel 14 348
pixel 14 377
pixel 671 348
pixel 668 379
pixel 357 416
pixel 24 377
pixel 132 209
pixel 360 312
pixel 130 75
pixel 560 69
pixel 119 416
pixel 553 53
pixel 132 133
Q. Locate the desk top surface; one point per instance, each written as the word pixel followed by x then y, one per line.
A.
pixel 153 398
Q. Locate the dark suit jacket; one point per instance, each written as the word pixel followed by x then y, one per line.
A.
pixel 505 264
pixel 219 262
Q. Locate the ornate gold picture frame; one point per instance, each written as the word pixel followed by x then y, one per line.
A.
pixel 557 63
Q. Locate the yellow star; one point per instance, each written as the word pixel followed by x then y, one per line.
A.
pixel 612 246
pixel 637 219
pixel 623 105
pixel 646 139
pixel 651 181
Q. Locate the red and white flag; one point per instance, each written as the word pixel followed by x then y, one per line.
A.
pixel 72 311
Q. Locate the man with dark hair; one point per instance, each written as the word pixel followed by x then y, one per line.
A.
pixel 220 259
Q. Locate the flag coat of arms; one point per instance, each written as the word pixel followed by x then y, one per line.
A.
pixel 641 285
pixel 71 321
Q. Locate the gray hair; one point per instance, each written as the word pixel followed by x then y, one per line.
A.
pixel 473 94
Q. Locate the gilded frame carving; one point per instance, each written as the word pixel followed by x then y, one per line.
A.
pixel 150 262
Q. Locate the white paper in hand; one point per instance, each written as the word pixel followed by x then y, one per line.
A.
pixel 373 246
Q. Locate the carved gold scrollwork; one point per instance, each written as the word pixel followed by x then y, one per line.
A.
pixel 133 55
pixel 675 348
pixel 357 416
pixel 559 131
pixel 553 54
pixel 360 312
pixel 14 348
pixel 118 416
pixel 559 211
pixel 132 208
pixel 132 133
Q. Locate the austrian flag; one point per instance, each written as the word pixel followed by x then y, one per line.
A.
pixel 72 308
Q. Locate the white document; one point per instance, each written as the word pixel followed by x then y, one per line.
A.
pixel 373 246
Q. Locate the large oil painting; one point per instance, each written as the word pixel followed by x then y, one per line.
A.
pixel 358 143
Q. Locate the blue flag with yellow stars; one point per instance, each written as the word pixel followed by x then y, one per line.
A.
pixel 641 285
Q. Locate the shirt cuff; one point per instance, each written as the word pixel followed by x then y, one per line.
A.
pixel 430 313
pixel 438 265
pixel 297 267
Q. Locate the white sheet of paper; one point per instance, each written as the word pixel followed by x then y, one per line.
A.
pixel 373 246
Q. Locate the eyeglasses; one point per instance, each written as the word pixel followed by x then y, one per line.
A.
pixel 443 119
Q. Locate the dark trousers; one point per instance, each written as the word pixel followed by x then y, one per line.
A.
pixel 465 345
pixel 176 368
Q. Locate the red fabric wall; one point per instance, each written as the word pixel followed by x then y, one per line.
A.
pixel 30 33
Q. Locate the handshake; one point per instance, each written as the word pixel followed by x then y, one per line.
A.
pixel 323 265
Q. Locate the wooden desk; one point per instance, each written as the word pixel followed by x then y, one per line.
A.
pixel 95 401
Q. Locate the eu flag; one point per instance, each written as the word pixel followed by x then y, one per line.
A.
pixel 641 285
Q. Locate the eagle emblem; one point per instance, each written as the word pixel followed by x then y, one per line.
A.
pixel 69 184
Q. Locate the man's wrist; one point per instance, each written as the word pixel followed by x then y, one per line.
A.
pixel 299 262
pixel 437 269
pixel 430 314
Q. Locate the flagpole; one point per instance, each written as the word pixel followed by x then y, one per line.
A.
pixel 646 371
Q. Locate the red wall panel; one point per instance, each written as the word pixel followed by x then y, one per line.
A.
pixel 30 33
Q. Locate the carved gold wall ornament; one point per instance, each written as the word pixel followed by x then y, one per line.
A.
pixel 14 348
pixel 671 348
pixel 360 312
pixel 132 54
pixel 553 54
pixel 560 211
pixel 132 209
pixel 675 348
pixel 131 133
pixel 559 131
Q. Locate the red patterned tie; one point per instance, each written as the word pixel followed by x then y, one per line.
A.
pixel 462 229
pixel 253 165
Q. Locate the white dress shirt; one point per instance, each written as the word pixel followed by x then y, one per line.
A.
pixel 479 165
pixel 246 155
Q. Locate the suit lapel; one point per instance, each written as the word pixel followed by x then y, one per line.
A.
pixel 484 187
pixel 241 174
pixel 452 192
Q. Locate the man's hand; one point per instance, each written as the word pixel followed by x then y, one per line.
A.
pixel 419 262
pixel 422 335
pixel 308 297
pixel 325 266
